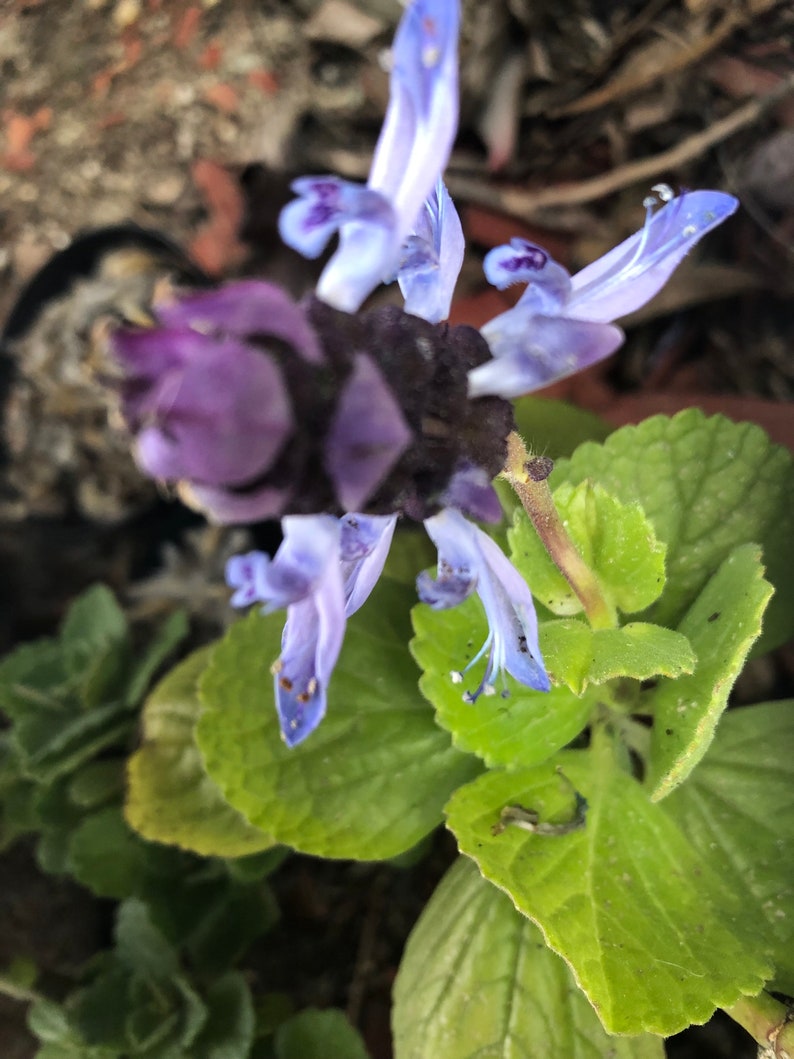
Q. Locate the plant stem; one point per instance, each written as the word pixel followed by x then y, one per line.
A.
pixel 528 477
pixel 768 1023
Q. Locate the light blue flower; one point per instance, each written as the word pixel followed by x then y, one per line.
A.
pixel 323 572
pixel 432 258
pixel 562 324
pixel 468 561
pixel 412 151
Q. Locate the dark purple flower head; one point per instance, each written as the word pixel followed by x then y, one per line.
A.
pixel 255 407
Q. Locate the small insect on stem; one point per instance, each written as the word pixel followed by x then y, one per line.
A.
pixel 529 820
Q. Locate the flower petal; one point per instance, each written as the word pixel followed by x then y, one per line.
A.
pixel 367 436
pixel 323 205
pixel 366 540
pixel 532 351
pixel 227 507
pixel 220 419
pixel 471 492
pixel 411 153
pixel 433 258
pixel 549 284
pixel 248 308
pixel 631 274
pixel 247 574
pixel 310 646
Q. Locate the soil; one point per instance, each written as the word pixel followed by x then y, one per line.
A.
pixel 191 119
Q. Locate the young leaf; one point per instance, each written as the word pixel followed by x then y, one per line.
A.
pixel 478 982
pixel 373 778
pixel 653 935
pixel 615 539
pixel 524 728
pixel 722 625
pixel 166 639
pixel 229 1029
pixel 707 485
pixel 737 810
pixel 96 645
pixel 141 947
pixel 578 656
pixel 315 1034
pixel 170 796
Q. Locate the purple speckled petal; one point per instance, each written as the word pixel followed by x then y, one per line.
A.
pixel 471 492
pixel 323 205
pixel 220 420
pixel 631 274
pixel 244 309
pixel 368 434
pixel 469 559
pixel 432 260
pixel 549 284
pixel 248 575
pixel 223 507
pixel 533 351
pixel 366 540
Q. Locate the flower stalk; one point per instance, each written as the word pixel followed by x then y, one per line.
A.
pixel 528 475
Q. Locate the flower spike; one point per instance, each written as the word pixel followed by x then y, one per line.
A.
pixel 468 561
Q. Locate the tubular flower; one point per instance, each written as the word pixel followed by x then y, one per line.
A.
pixel 414 145
pixel 469 561
pixel 562 324
pixel 322 573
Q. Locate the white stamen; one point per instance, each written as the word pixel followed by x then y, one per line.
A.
pixel 456 676
pixel 664 191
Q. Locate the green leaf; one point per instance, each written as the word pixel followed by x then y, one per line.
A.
pixel 97 783
pixel 615 539
pixel 578 656
pixel 31 678
pixel 48 1021
pixel 100 1008
pixel 230 926
pixel 106 857
pixel 737 810
pixel 96 645
pixel 373 778
pixel 94 618
pixel 229 1030
pixel 707 485
pixel 141 947
pixel 167 638
pixel 54 743
pixel 170 796
pixel 477 980
pixel 525 728
pixel 722 625
pixel 313 1034
pixel 653 935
